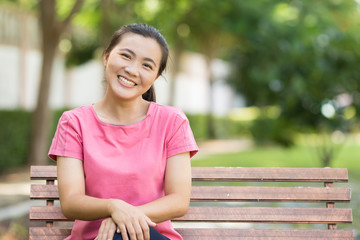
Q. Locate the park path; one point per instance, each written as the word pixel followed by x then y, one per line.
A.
pixel 222 146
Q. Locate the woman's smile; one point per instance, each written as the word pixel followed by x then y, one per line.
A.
pixel 125 82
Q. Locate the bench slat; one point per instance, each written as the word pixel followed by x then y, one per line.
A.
pixel 244 193
pixel 38 191
pixel 53 233
pixel 267 215
pixel 48 233
pixel 47 213
pixel 270 174
pixel 227 214
pixel 279 194
pixel 238 174
pixel 48 172
pixel 258 234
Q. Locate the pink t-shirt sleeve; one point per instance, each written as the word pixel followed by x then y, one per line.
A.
pixel 182 139
pixel 67 141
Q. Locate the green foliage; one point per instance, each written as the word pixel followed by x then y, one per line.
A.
pixel 83 48
pixel 300 55
pixel 94 25
pixel 267 130
pixel 198 126
pixel 14 137
pixel 224 127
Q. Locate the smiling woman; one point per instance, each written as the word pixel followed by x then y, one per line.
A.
pixel 119 159
pixel 131 67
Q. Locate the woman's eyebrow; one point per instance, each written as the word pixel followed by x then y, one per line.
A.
pixel 133 53
pixel 128 50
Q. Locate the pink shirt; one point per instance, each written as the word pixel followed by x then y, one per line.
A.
pixel 123 162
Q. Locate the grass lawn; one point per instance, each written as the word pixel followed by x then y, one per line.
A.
pixel 301 155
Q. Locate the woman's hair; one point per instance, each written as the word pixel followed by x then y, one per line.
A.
pixel 148 32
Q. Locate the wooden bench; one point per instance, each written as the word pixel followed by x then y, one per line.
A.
pixel 274 203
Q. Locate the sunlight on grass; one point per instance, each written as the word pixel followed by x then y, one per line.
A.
pixel 304 154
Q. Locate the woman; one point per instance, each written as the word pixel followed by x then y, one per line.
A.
pixel 124 162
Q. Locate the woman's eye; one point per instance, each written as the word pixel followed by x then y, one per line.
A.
pixel 148 66
pixel 125 55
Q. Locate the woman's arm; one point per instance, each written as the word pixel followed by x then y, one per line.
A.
pixel 71 183
pixel 175 203
pixel 76 205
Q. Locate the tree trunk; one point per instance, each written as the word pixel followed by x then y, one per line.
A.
pixel 51 32
pixel 42 116
pixel 178 49
pixel 210 117
pixel 106 8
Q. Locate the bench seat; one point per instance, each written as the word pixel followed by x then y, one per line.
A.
pixel 223 196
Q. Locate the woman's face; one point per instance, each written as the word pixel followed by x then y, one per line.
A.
pixel 132 66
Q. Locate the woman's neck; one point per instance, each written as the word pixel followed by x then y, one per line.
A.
pixel 121 112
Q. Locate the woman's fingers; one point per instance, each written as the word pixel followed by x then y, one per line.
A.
pixel 149 222
pixel 145 229
pixel 107 230
pixel 132 223
pixel 132 232
pixel 140 230
pixel 123 231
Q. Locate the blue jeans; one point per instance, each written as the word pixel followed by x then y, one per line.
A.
pixel 154 235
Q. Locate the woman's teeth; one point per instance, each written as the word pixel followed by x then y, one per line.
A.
pixel 126 81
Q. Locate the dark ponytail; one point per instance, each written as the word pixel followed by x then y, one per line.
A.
pixel 150 94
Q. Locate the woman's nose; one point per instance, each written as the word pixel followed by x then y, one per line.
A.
pixel 132 69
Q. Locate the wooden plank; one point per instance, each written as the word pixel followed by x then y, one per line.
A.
pixel 231 214
pixel 264 234
pixel 239 174
pixel 243 193
pixel 38 191
pixel 216 234
pixel 46 213
pixel 47 172
pixel 270 174
pixel 291 194
pixel 48 233
pixel 267 215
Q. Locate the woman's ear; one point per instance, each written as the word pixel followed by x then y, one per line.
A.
pixel 106 56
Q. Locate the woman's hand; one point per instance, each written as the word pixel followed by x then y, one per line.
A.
pixel 130 220
pixel 107 230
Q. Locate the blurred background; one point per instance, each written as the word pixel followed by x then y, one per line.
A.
pixel 272 83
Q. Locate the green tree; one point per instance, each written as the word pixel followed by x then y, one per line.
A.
pixel 301 56
pixel 211 24
pixel 52 28
pixel 92 28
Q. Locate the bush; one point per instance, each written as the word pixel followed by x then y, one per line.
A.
pixel 198 123
pixel 268 130
pixel 224 127
pixel 15 135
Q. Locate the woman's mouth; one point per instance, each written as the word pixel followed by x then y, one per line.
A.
pixel 125 82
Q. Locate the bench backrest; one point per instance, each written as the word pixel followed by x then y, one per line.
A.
pixel 219 196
